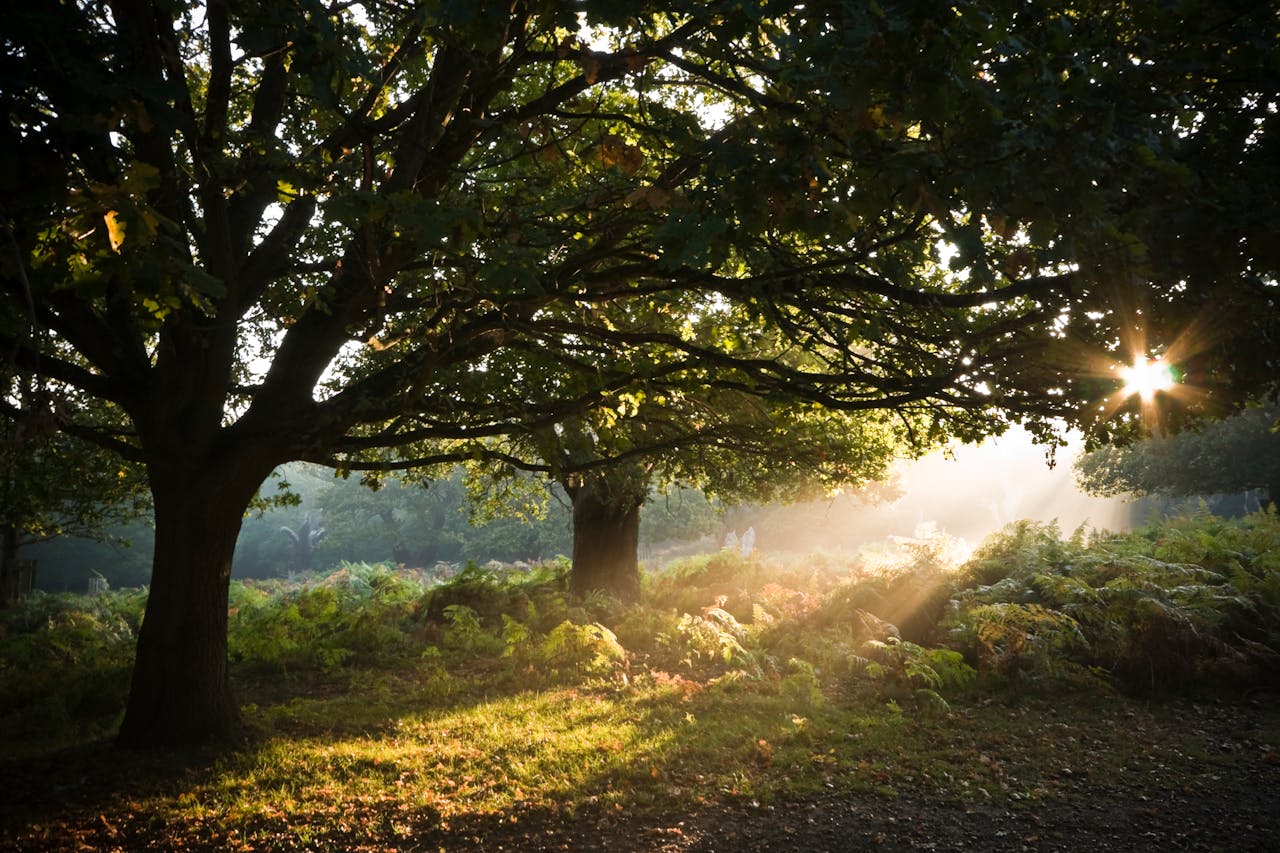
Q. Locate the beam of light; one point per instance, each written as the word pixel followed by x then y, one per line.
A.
pixel 1146 377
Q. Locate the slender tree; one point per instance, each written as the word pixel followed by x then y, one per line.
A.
pixel 253 233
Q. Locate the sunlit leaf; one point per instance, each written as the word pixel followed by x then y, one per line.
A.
pixel 115 229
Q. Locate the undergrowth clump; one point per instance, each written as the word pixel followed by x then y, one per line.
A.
pixel 538 596
pixel 65 662
pixel 1185 602
pixel 359 614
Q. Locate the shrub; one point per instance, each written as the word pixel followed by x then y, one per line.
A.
pixel 582 651
pixel 690 583
pixel 1180 603
pixel 539 597
pixel 1020 549
pixel 800 685
pixel 65 662
pixel 711 642
pixel 1027 641
pixel 358 614
pixel 899 670
pixel 465 636
pixel 641 628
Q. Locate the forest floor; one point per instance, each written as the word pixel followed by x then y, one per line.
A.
pixel 1116 775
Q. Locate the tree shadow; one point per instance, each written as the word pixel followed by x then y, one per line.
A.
pixel 74 785
pixel 96 796
pixel 93 796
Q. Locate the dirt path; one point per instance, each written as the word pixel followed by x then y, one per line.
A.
pixel 1232 810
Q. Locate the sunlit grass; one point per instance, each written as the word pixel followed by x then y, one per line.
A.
pixel 552 749
pixel 636 751
pixel 734 681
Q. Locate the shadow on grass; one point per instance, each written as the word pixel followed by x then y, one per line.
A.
pixel 1196 776
pixel 418 759
pixel 72 797
pixel 405 759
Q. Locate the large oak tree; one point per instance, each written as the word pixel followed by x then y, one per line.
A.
pixel 352 232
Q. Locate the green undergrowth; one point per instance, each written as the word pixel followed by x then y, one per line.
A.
pixel 64 666
pixel 388 694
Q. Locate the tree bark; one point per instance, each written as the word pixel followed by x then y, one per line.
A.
pixel 606 536
pixel 10 584
pixel 181 689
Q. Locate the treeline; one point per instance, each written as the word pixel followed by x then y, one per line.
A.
pixel 311 520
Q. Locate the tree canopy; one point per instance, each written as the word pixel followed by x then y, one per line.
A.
pixel 1231 455
pixel 53 484
pixel 385 234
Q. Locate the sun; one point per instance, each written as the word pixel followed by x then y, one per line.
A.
pixel 1146 377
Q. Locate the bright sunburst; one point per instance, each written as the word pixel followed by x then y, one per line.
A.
pixel 1145 377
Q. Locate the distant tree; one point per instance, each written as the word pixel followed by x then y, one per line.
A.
pixel 303 542
pixel 1231 455
pixel 54 485
pixel 679 515
pixel 733 446
pixel 421 517
pixel 416 519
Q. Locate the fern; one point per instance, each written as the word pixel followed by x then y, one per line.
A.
pixel 800 686
pixel 65 662
pixel 591 651
pixel 1165 606
pixel 1027 641
pixel 700 641
pixel 466 636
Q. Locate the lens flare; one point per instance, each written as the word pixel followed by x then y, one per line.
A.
pixel 1146 377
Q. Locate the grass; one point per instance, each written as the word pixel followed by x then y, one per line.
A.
pixel 352 768
pixel 382 710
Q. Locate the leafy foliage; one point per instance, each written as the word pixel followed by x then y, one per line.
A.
pixel 383 236
pixel 1187 604
pixel 1016 638
pixel 53 485
pixel 1230 455
pixel 360 614
pixel 64 663
pixel 573 652
pixel 1160 608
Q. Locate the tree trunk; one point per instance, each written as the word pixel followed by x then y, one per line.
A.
pixel 16 575
pixel 8 564
pixel 606 537
pixel 181 690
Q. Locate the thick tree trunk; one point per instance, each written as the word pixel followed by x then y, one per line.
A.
pixel 606 537
pixel 181 690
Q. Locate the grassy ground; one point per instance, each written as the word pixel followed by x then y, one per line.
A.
pixel 1048 689
pixel 381 762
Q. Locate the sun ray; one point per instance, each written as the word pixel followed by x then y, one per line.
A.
pixel 1147 377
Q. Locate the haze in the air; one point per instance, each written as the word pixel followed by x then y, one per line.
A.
pixel 967 493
